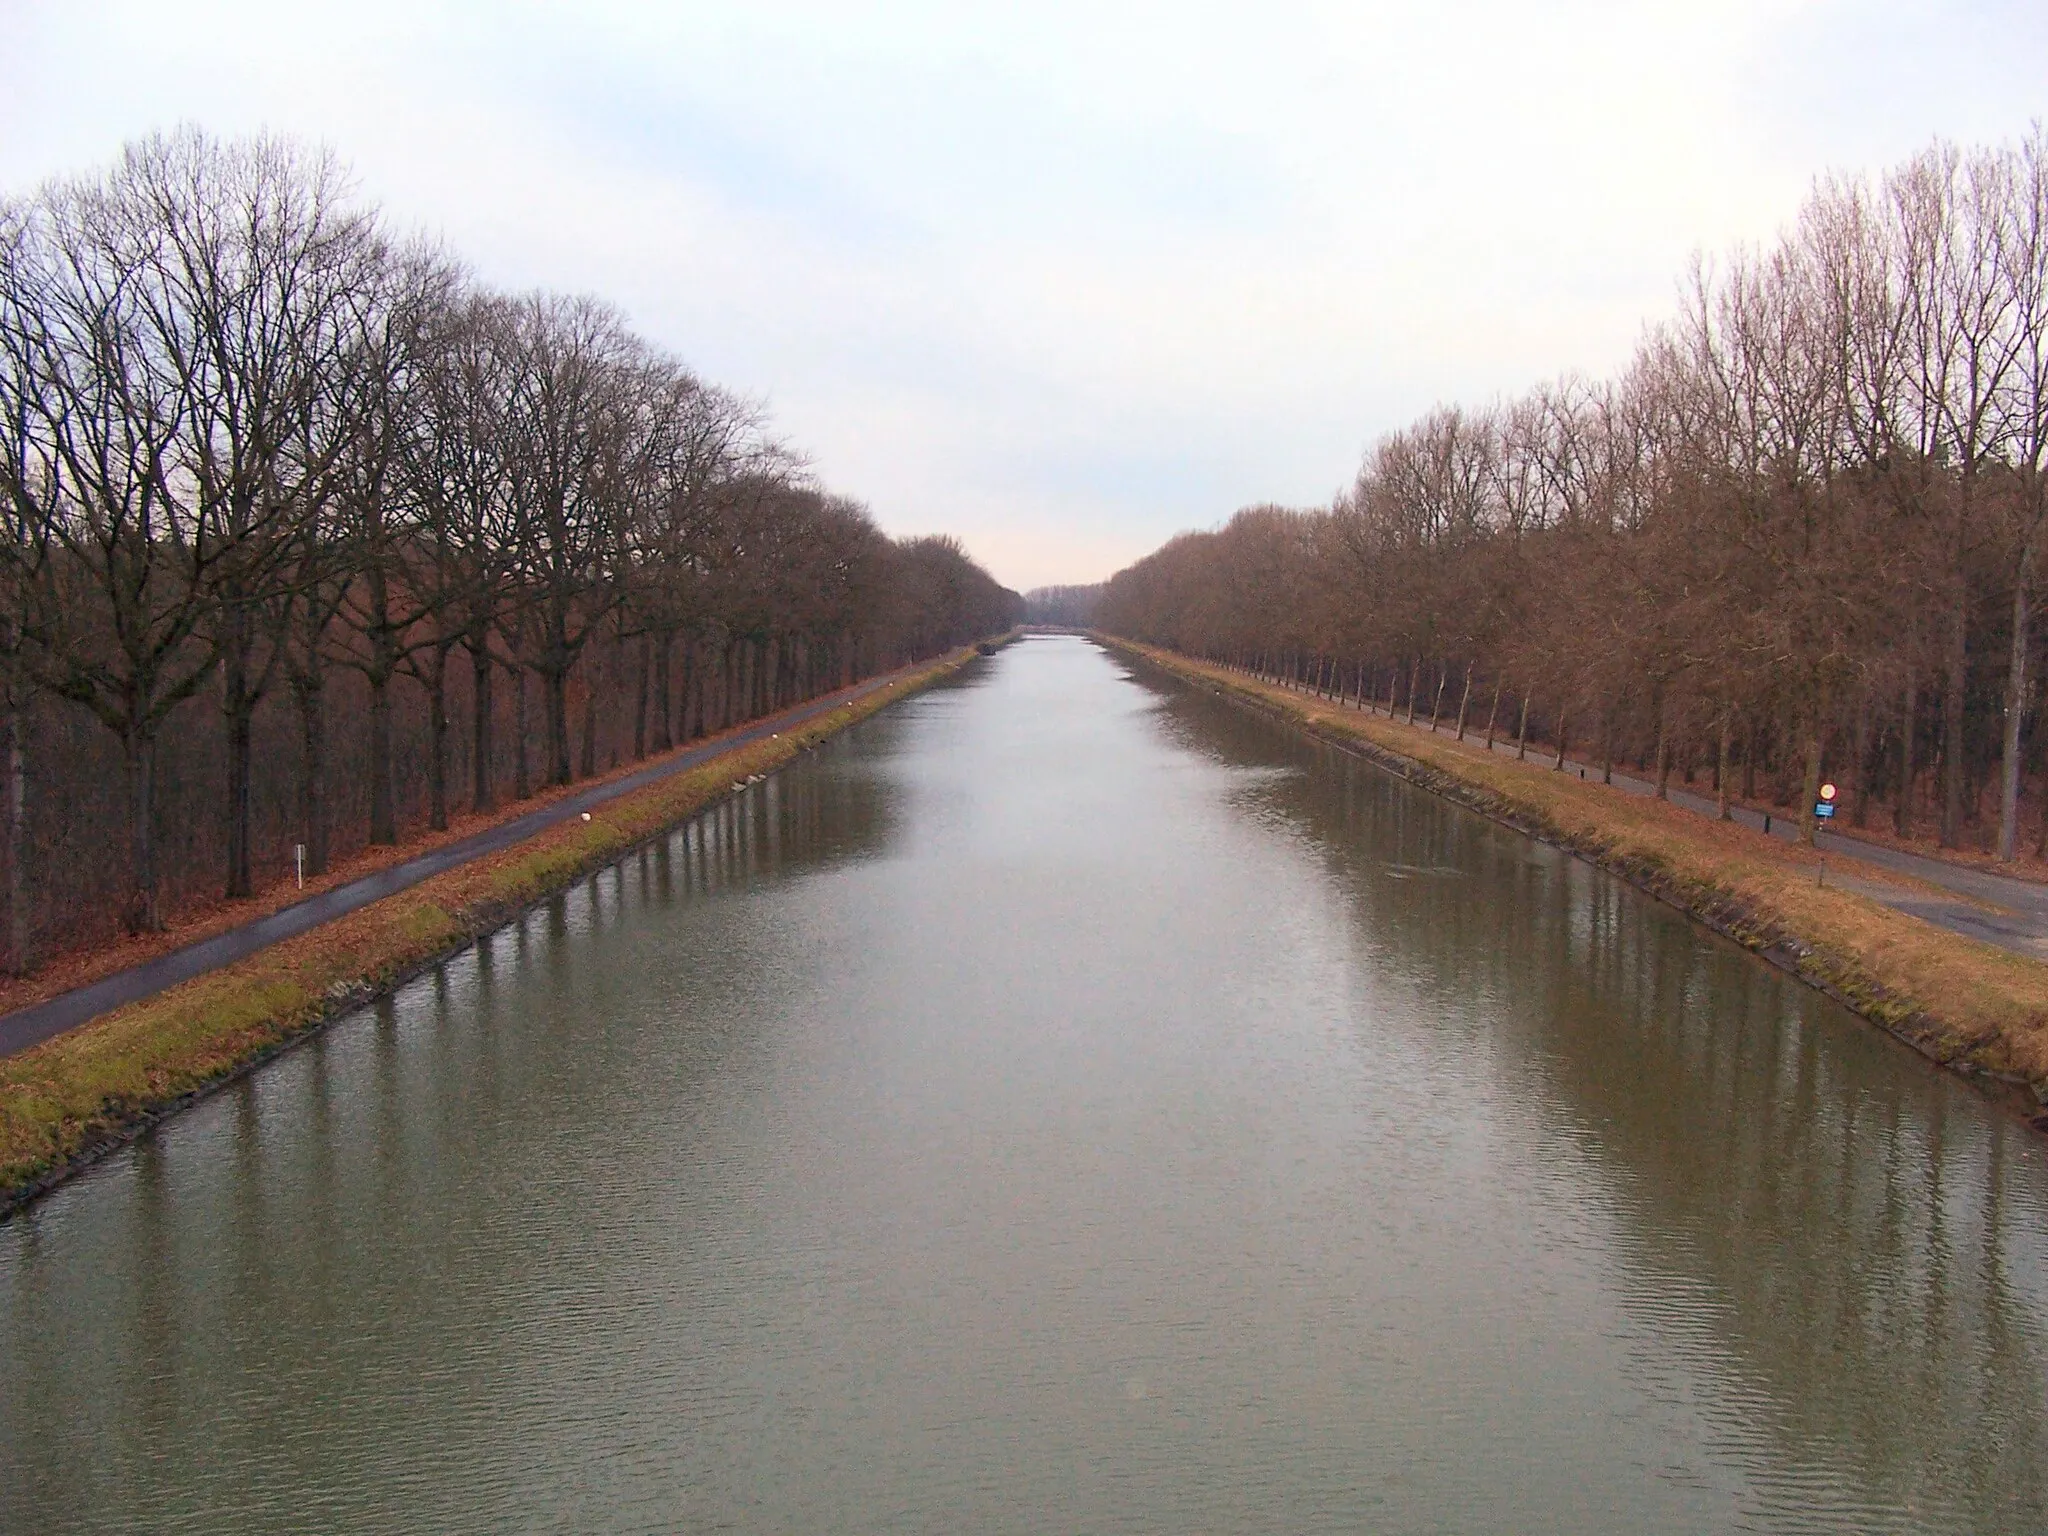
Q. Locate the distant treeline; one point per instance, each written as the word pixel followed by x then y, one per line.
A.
pixel 311 536
pixel 1802 533
pixel 1070 607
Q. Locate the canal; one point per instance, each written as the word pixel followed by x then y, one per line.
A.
pixel 1063 1103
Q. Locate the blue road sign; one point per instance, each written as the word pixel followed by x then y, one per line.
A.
pixel 1823 809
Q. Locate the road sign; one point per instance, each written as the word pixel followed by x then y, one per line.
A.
pixel 1827 792
pixel 1824 810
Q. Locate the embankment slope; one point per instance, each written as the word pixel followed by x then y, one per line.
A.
pixel 1975 1009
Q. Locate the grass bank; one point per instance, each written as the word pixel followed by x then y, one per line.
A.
pixel 69 1100
pixel 1976 1009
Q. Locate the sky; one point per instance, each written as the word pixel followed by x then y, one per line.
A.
pixel 1064 279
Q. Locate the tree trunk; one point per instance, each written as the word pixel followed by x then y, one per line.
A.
pixel 664 731
pixel 1465 702
pixel 555 695
pixel 309 696
pixel 590 728
pixel 237 706
pixel 1522 731
pixel 1859 771
pixel 19 960
pixel 1721 765
pixel 437 743
pixel 481 667
pixel 522 780
pixel 1902 813
pixel 2041 743
pixel 692 678
pixel 1492 714
pixel 383 814
pixel 1414 677
pixel 1663 748
pixel 383 664
pixel 2015 715
pixel 240 874
pixel 1952 702
pixel 144 914
pixel 2041 847
pixel 1558 766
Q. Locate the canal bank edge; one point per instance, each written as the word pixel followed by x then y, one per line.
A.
pixel 68 1102
pixel 1979 1011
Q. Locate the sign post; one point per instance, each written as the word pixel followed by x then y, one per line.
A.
pixel 1823 812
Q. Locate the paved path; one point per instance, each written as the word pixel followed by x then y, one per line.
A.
pixel 39 1022
pixel 2013 914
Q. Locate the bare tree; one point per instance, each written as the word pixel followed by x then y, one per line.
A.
pixel 104 412
pixel 258 259
pixel 2023 430
pixel 566 426
pixel 252 446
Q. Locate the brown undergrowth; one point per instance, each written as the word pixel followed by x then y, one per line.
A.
pixel 1977 1009
pixel 68 1100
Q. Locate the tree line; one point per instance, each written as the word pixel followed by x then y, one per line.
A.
pixel 1069 607
pixel 1801 533
pixel 310 536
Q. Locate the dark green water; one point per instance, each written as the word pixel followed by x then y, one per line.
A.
pixel 1063 1104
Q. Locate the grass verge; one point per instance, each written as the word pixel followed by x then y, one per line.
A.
pixel 1974 1008
pixel 68 1101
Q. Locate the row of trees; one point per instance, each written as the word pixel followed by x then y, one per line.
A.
pixel 277 477
pixel 1062 607
pixel 1803 529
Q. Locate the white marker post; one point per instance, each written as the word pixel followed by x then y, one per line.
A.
pixel 299 857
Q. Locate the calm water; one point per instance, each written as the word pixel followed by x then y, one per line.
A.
pixel 1063 1104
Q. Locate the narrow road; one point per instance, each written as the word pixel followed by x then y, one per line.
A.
pixel 41 1021
pixel 2012 914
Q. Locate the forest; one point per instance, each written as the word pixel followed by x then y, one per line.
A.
pixel 1800 534
pixel 314 541
pixel 1068 607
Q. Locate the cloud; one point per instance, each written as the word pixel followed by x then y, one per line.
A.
pixel 1065 278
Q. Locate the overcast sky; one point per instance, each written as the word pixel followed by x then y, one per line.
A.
pixel 1064 279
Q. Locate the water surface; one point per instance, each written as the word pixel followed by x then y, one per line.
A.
pixel 1064 1103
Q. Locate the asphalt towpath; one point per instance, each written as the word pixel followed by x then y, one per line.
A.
pixel 38 1022
pixel 2012 914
